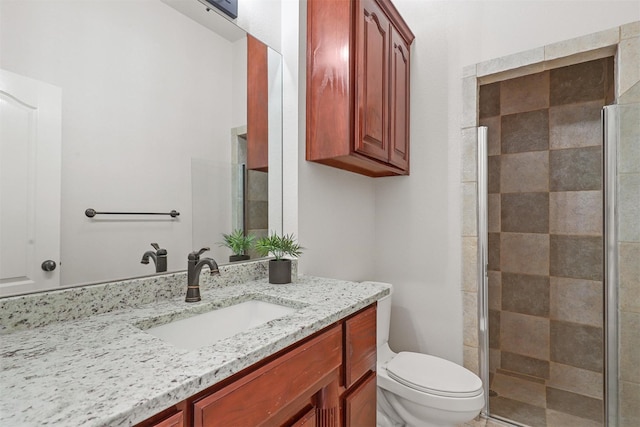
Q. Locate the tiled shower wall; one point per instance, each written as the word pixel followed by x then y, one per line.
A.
pixel 624 43
pixel 545 240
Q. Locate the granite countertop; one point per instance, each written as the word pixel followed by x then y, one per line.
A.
pixel 104 370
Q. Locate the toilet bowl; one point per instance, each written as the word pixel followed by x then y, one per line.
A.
pixel 419 390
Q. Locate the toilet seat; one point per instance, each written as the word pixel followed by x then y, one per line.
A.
pixel 433 375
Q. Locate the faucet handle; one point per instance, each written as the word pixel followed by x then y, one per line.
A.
pixel 155 246
pixel 195 255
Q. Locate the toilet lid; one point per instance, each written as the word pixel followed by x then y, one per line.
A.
pixel 433 375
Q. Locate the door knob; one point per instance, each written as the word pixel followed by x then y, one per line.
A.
pixel 48 265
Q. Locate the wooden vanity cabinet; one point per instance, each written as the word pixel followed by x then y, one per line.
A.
pixel 358 86
pixel 327 380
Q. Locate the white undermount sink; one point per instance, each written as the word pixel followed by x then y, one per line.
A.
pixel 205 329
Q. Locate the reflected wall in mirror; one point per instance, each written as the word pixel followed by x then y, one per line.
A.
pixel 149 99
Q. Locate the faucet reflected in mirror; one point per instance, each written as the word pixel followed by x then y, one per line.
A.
pixel 159 257
pixel 195 265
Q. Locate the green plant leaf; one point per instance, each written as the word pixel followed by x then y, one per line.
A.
pixel 279 246
pixel 237 241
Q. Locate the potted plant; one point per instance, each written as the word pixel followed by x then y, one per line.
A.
pixel 238 243
pixel 279 247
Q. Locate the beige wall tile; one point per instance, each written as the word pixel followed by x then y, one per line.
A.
pixel 629 208
pixel 577 380
pixel 470 359
pixel 526 335
pixel 469 102
pixel 529 57
pixel 494 359
pixel 629 30
pixel 577 300
pixel 628 64
pixel 469 209
pixel 629 268
pixel 629 408
pixel 575 212
pixel 524 253
pixel 560 419
pixel 631 96
pixel 629 143
pixel 469 154
pixel 582 44
pixel 524 172
pixel 518 389
pixel 470 318
pixel 575 125
pixel 470 264
pixel 630 346
pixel 527 93
pixel 469 71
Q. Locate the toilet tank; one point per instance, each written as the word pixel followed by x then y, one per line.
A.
pixel 383 318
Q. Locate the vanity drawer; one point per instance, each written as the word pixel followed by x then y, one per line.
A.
pixel 360 345
pixel 267 394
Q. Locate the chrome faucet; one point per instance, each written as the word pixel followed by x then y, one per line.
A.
pixel 193 273
pixel 159 257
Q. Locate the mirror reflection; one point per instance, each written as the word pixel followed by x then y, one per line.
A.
pixel 129 106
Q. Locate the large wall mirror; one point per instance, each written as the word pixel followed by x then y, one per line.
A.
pixel 133 106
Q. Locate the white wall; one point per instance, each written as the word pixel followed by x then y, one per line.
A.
pixel 406 230
pixel 138 103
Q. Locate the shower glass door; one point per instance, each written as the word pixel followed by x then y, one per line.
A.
pixel 559 278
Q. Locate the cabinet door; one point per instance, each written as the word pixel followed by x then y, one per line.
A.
pixel 360 345
pixel 372 91
pixel 257 105
pixel 399 102
pixel 360 404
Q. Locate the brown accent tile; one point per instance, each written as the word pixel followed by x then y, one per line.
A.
pixel 493 174
pixel 522 94
pixel 525 294
pixel 629 267
pixel 520 412
pixel 524 364
pixel 525 335
pixel 493 220
pixel 580 257
pixel 629 408
pixel 577 345
pixel 495 290
pixel 525 132
pixel 493 134
pixel 525 212
pixel 489 100
pixel 576 380
pixel 610 80
pixel 521 376
pixel 630 346
pixel 494 329
pixel 560 419
pixel 258 214
pixel 519 389
pixel 524 253
pixel 575 125
pixel 575 169
pixel 576 212
pixel 577 300
pixel 494 251
pixel 578 83
pixel 575 404
pixel 524 172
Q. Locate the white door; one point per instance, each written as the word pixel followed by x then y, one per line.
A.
pixel 30 156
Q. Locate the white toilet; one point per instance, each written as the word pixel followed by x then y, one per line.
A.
pixel 418 390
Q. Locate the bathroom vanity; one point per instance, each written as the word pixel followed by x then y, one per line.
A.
pixel 315 366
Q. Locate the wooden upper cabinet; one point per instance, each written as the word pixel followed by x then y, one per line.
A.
pixel 257 105
pixel 358 86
